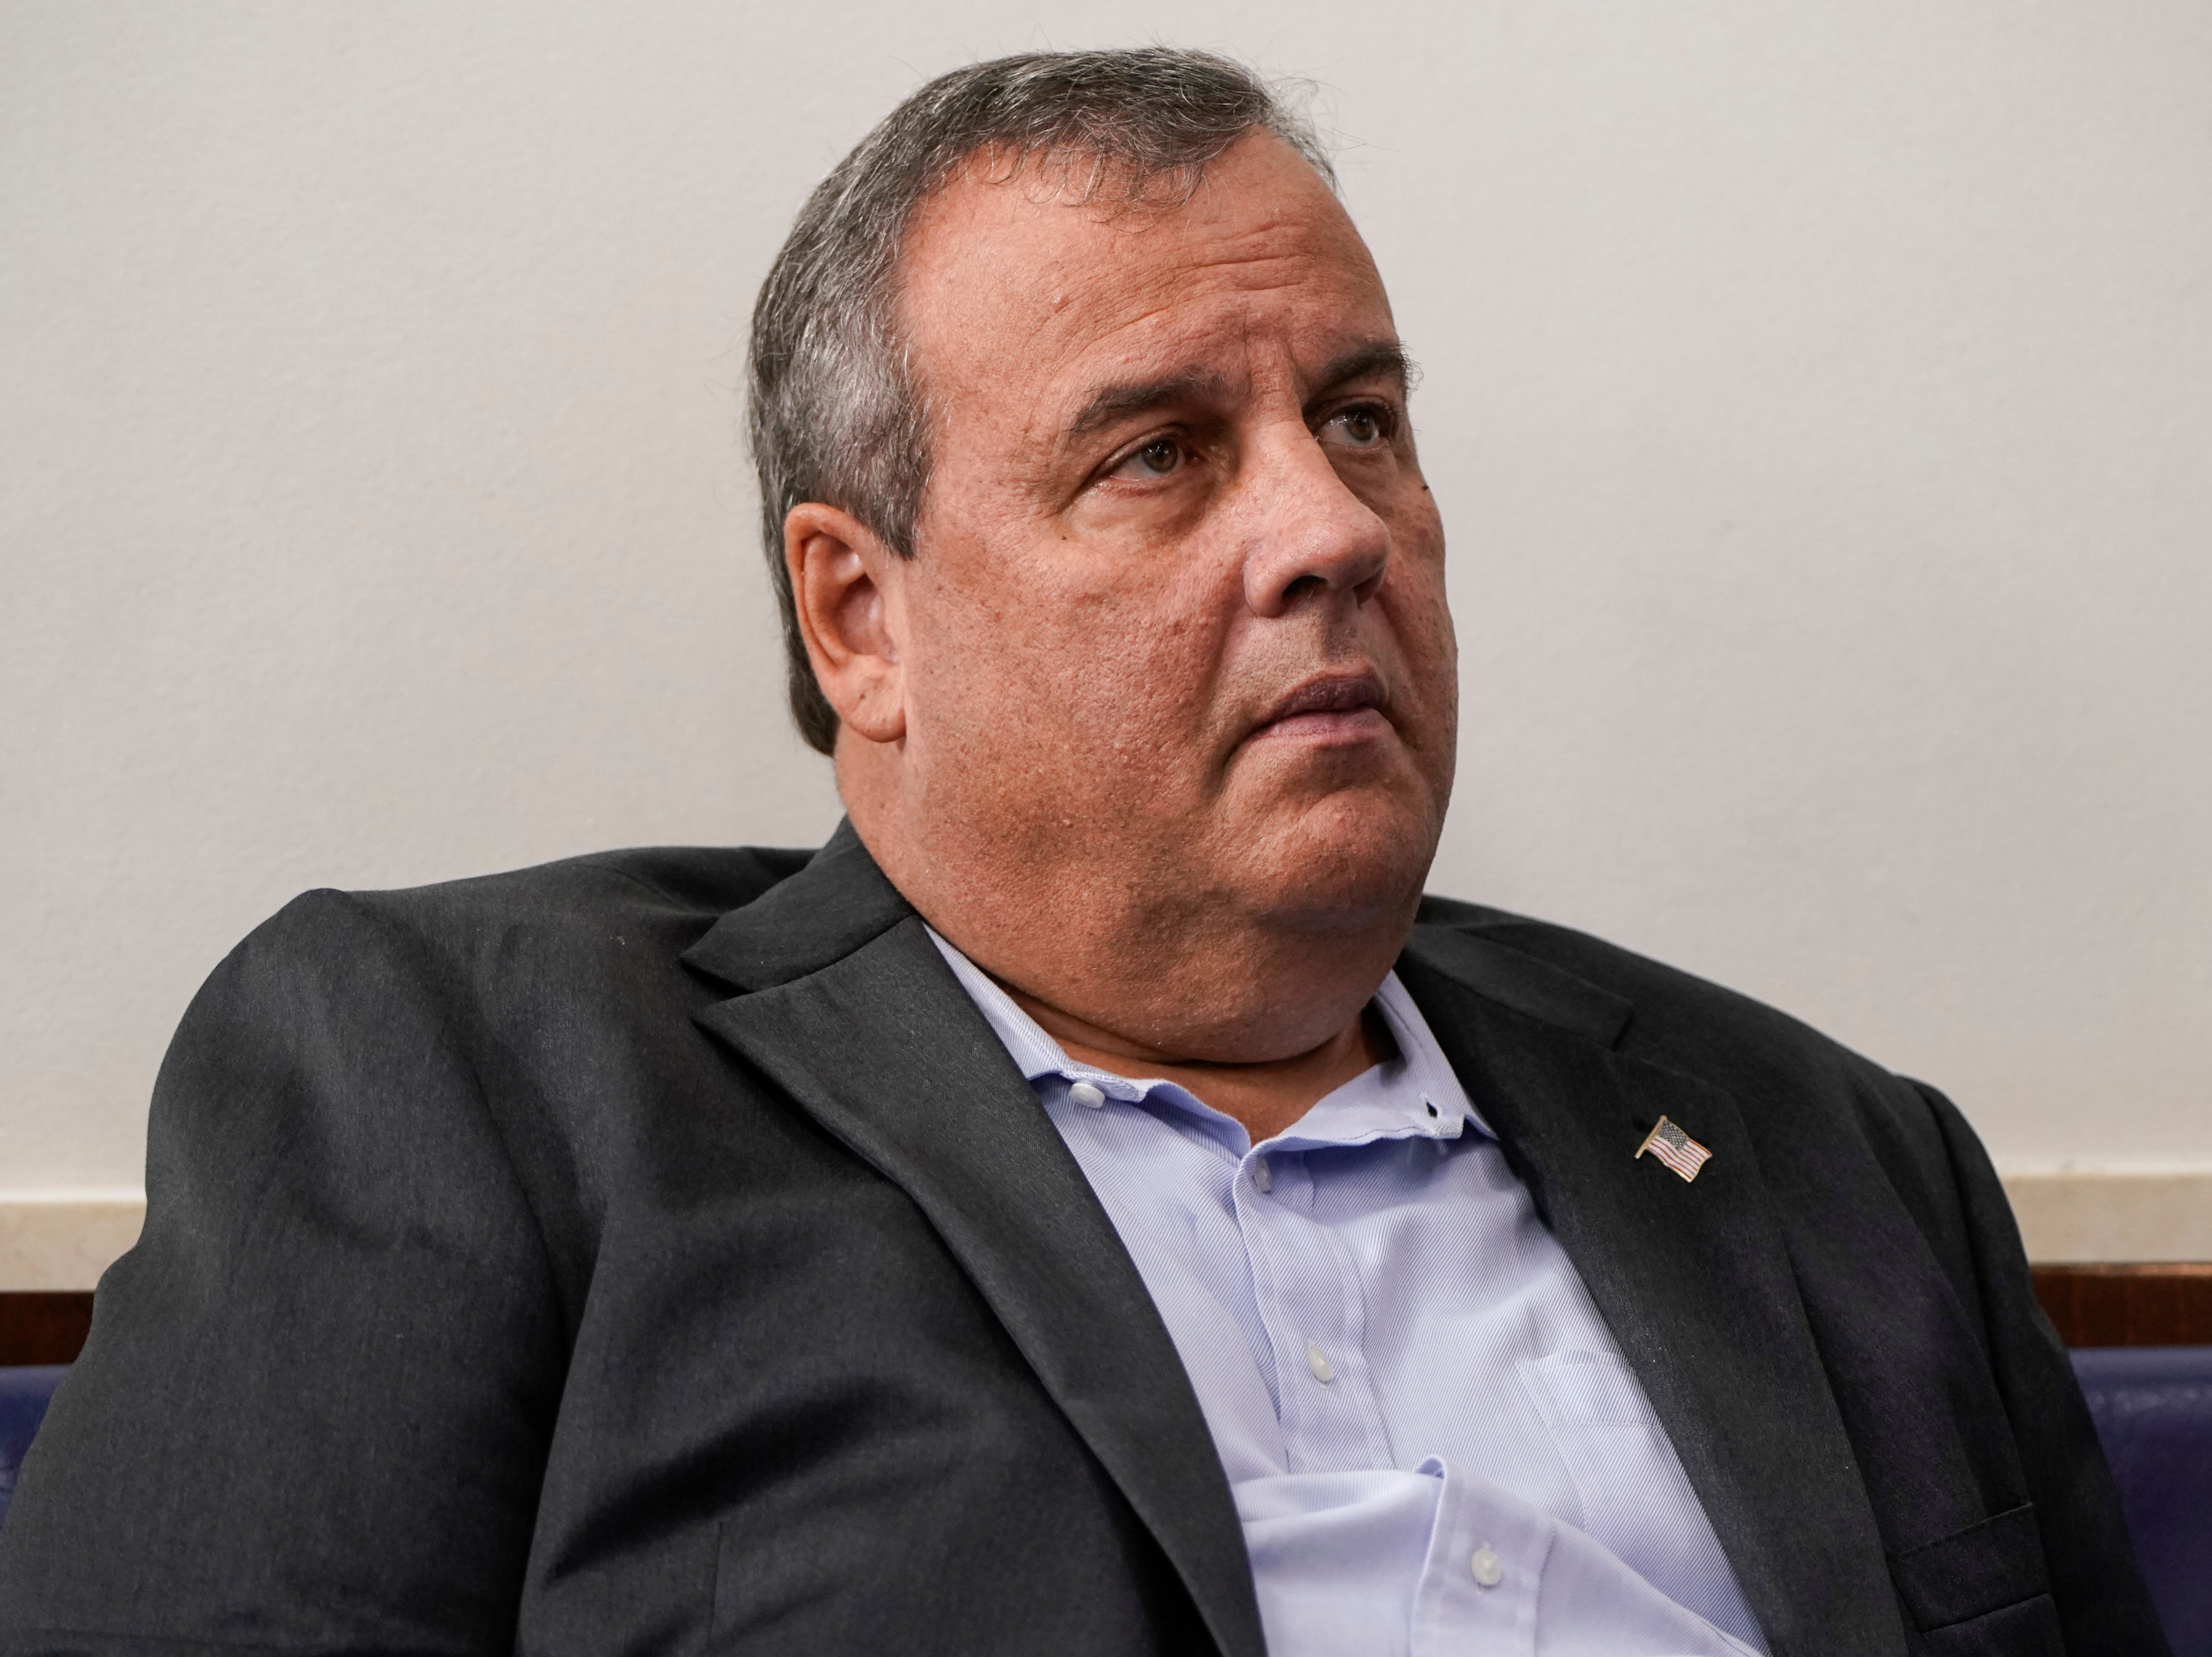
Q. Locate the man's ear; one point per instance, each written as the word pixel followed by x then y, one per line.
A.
pixel 845 585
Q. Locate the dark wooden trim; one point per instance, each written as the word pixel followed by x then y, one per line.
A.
pixel 2129 1305
pixel 43 1328
pixel 2092 1305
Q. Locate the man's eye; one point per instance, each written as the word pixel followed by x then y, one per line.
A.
pixel 1159 457
pixel 1362 428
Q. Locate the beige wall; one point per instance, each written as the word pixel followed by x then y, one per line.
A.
pixel 1820 399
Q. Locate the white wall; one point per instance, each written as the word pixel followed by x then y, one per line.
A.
pixel 1819 396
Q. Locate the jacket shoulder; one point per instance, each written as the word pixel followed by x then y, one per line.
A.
pixel 584 932
pixel 659 888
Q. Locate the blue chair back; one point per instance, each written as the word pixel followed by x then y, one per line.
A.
pixel 2153 1406
pixel 24 1394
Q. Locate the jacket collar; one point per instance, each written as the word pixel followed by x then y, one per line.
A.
pixel 839 901
pixel 1520 983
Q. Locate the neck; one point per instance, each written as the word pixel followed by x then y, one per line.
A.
pixel 1183 978
pixel 1254 1002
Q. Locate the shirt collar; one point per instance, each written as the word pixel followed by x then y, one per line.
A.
pixel 1415 1094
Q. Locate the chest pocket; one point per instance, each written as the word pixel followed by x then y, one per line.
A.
pixel 1636 1499
pixel 1585 1389
pixel 1604 1431
pixel 1982 1589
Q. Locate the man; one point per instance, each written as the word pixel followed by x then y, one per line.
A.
pixel 1096 1205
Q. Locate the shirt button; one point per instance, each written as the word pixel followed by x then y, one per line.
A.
pixel 1317 1361
pixel 1263 1175
pixel 1487 1569
pixel 1086 1096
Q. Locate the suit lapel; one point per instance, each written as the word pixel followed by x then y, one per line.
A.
pixel 854 1014
pixel 1692 1278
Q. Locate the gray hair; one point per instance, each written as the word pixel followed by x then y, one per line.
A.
pixel 836 415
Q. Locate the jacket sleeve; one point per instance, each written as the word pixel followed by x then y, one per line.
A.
pixel 314 1410
pixel 2103 1605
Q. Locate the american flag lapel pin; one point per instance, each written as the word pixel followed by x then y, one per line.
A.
pixel 1675 1148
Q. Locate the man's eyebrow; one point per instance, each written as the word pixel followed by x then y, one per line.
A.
pixel 1112 402
pixel 1117 402
pixel 1382 356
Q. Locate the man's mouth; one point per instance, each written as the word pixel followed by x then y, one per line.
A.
pixel 1331 708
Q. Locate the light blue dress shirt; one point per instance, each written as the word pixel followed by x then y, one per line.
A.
pixel 1434 1444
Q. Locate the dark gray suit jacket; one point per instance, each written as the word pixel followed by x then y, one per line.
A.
pixel 657 1252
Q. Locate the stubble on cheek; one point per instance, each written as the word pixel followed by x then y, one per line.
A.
pixel 1069 733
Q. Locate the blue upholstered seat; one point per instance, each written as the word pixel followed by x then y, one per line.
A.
pixel 2153 1405
pixel 2154 1410
pixel 23 1395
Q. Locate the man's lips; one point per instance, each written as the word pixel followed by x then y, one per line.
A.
pixel 1337 706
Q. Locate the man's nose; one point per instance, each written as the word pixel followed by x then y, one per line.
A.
pixel 1313 535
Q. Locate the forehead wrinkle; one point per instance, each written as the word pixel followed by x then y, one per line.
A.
pixel 1258 267
pixel 1065 306
pixel 1182 287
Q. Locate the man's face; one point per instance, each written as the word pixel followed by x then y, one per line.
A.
pixel 1176 633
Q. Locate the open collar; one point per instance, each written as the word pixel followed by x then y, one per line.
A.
pixel 1414 1093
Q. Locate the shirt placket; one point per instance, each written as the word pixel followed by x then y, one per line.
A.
pixel 1314 1313
pixel 1483 1576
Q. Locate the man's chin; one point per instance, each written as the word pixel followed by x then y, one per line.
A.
pixel 1345 862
